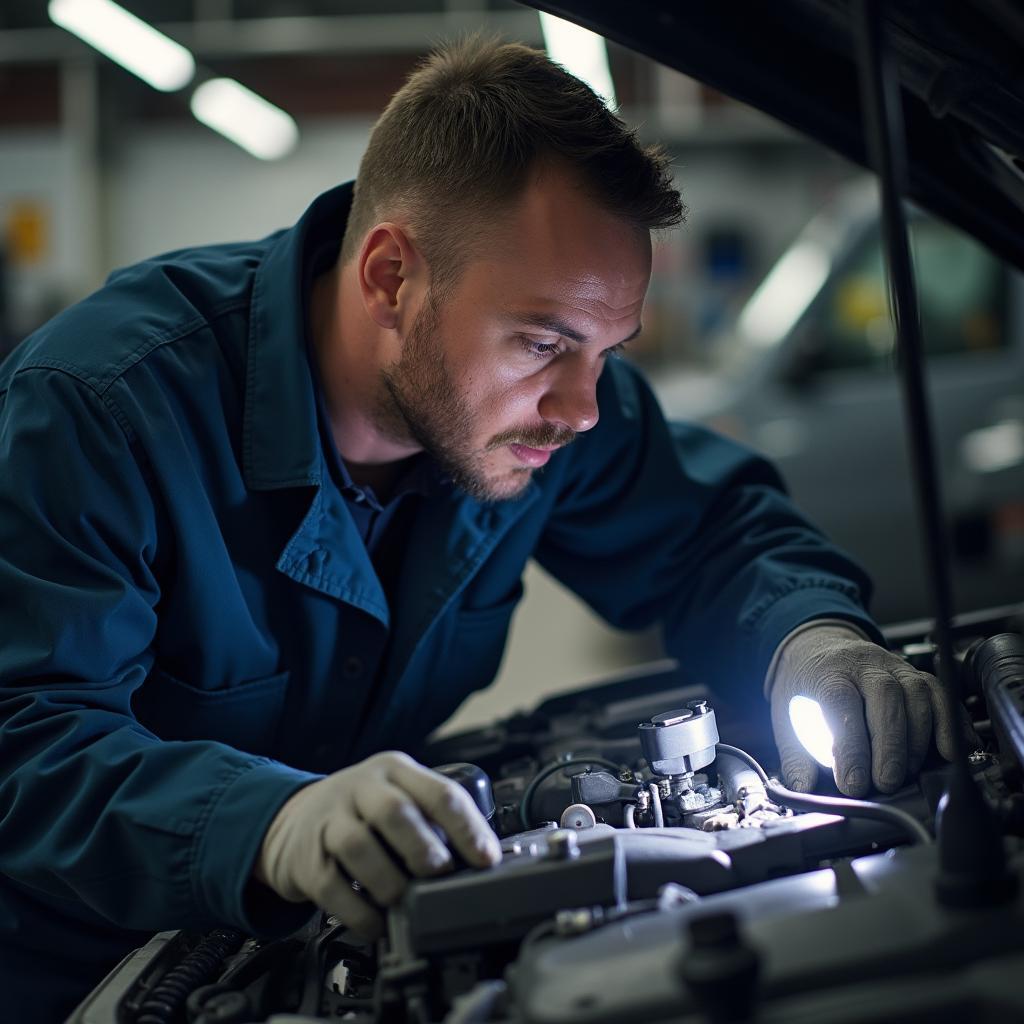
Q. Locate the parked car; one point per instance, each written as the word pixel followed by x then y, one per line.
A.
pixel 805 374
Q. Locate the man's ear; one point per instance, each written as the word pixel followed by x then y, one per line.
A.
pixel 390 268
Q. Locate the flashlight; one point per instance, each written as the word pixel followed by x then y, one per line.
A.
pixel 808 721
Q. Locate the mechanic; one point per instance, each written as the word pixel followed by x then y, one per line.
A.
pixel 265 509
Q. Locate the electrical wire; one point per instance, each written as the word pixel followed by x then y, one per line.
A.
pixel 547 772
pixel 915 831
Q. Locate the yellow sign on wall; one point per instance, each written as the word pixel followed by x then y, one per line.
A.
pixel 27 232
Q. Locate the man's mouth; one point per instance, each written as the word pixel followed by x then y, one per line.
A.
pixel 533 457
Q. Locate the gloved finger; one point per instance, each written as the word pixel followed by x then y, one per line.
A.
pixel 799 769
pixel 335 894
pixel 447 804
pixel 886 719
pixel 843 708
pixel 392 813
pixel 917 704
pixel 361 856
pixel 944 724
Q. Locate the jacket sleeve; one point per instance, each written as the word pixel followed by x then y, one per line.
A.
pixel 672 524
pixel 94 807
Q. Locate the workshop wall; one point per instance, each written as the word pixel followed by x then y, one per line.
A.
pixel 176 185
pixel 94 188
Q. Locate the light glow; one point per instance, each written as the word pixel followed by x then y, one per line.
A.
pixel 811 730
pixel 995 448
pixel 784 294
pixel 135 45
pixel 581 52
pixel 245 118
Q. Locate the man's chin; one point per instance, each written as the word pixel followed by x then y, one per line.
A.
pixel 506 486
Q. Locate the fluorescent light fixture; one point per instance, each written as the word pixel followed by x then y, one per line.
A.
pixel 994 449
pixel 581 52
pixel 136 46
pixel 246 119
pixel 808 721
pixel 784 294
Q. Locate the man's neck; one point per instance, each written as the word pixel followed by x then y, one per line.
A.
pixel 381 477
pixel 346 345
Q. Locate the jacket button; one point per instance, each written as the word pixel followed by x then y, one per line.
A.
pixel 352 667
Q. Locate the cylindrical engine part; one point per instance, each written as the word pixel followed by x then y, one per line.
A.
pixel 997 668
pixel 680 741
pixel 475 781
pixel 736 778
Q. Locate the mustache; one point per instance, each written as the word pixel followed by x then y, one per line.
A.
pixel 547 436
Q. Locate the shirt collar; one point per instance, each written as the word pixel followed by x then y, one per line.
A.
pixel 280 443
pixel 282 446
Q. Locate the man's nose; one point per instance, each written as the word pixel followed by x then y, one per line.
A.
pixel 571 397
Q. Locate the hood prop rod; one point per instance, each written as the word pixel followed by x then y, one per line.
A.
pixel 972 860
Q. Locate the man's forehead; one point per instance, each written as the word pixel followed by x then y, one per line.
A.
pixel 614 292
pixel 607 290
pixel 556 239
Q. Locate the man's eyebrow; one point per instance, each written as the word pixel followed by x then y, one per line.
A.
pixel 554 323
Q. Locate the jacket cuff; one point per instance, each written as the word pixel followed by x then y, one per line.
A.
pixel 804 609
pixel 842 624
pixel 229 841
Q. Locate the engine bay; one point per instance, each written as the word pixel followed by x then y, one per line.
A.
pixel 653 872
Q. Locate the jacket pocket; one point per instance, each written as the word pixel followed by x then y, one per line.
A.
pixel 246 716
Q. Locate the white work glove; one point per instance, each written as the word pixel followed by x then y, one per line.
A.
pixel 881 711
pixel 340 830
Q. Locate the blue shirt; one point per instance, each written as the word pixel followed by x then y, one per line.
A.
pixel 193 625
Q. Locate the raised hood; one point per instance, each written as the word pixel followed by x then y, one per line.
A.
pixel 961 67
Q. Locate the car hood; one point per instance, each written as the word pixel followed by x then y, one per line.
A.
pixel 959 64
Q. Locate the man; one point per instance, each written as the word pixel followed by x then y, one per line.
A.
pixel 265 507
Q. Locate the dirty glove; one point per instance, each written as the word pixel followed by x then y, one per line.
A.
pixel 881 711
pixel 371 824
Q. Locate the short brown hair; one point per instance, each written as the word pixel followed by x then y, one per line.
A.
pixel 460 137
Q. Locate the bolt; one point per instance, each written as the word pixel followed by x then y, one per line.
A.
pixel 563 845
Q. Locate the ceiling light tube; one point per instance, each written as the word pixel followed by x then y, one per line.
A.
pixel 119 35
pixel 581 52
pixel 245 118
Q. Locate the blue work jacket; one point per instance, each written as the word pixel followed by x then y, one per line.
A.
pixel 182 587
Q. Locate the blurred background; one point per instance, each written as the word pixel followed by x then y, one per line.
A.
pixel 767 315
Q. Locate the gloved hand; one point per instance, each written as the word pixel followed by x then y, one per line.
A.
pixel 881 711
pixel 341 828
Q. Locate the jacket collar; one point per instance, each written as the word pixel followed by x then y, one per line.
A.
pixel 280 444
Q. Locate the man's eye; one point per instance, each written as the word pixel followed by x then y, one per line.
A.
pixel 538 349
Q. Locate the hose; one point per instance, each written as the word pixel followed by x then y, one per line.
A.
pixel 656 808
pixel 167 1000
pixel 629 815
pixel 914 830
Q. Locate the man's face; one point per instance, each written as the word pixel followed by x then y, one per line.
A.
pixel 506 369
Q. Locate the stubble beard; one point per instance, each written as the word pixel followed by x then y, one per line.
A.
pixel 417 400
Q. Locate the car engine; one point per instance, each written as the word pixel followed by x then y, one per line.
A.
pixel 652 872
